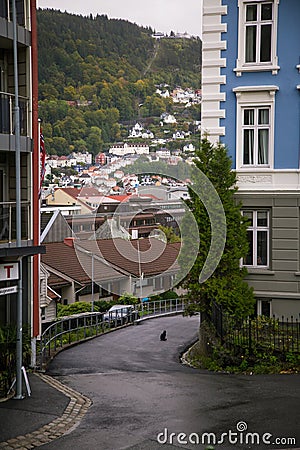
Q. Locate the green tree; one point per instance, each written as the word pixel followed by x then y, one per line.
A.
pixel 226 286
pixel 60 145
pixel 94 141
pixel 170 234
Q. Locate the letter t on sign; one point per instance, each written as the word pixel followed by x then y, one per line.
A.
pixel 9 271
pixel 8 268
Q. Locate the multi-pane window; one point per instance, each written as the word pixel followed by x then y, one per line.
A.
pixel 256 136
pixel 257 36
pixel 259 23
pixel 258 238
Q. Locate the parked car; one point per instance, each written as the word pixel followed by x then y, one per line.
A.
pixel 121 314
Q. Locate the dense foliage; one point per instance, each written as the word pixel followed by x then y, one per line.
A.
pixel 8 342
pixel 143 166
pixel 96 74
pixel 74 308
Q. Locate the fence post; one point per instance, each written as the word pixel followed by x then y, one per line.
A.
pixel 250 336
pixel 283 343
pixel 70 322
pixel 221 327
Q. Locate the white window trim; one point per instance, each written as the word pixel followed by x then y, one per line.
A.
pixel 259 306
pixel 254 97
pixel 241 66
pixel 255 127
pixel 256 228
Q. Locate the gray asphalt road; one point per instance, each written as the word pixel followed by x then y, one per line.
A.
pixel 141 394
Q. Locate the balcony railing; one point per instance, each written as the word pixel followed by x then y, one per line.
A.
pixel 6 11
pixel 7 122
pixel 8 221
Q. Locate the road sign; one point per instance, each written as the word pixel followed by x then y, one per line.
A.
pixel 9 271
pixel 8 290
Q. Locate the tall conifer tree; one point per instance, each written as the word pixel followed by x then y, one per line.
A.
pixel 226 286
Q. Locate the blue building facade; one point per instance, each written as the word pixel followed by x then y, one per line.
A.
pixel 251 104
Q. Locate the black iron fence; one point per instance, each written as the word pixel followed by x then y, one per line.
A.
pixel 277 335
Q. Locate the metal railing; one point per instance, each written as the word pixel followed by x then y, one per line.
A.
pixel 161 307
pixel 8 221
pixel 78 327
pixel 6 11
pixel 7 122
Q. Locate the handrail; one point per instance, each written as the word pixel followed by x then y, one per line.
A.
pixel 7 101
pixel 10 94
pixel 23 202
pixel 8 220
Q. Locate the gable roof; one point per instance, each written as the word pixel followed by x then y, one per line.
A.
pixel 77 195
pixel 80 193
pixel 57 228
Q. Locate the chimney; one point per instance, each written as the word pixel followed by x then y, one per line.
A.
pixel 69 241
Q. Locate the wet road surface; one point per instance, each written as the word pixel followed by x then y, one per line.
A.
pixel 141 394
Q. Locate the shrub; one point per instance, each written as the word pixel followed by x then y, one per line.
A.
pixel 75 308
pixel 127 299
pixel 8 339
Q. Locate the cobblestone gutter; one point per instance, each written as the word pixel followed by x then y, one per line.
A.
pixel 70 419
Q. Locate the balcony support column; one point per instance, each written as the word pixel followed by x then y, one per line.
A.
pixel 19 346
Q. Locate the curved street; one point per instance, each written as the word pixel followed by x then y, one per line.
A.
pixel 140 390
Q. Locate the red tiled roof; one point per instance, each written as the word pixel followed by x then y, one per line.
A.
pixel 126 198
pixel 120 198
pixel 78 193
pixel 71 262
pixel 153 258
pixel 114 259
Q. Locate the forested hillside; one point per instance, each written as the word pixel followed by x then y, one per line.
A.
pixel 95 74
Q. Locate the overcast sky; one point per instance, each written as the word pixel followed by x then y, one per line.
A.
pixel 161 15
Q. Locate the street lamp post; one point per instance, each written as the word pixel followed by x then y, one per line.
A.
pixel 141 274
pixel 92 282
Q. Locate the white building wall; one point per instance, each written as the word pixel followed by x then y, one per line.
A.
pixel 211 64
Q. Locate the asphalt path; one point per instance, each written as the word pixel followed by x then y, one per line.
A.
pixel 142 394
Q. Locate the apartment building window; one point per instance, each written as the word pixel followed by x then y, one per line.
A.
pixel 258 238
pixel 256 132
pixel 255 125
pixel 257 44
pixel 258 33
pixel 264 307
